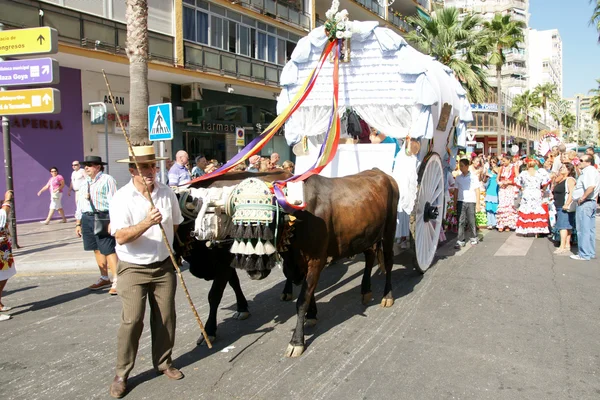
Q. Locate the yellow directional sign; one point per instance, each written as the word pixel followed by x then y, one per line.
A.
pixel 30 101
pixel 20 42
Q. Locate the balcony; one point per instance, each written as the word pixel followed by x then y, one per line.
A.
pixel 205 59
pixel 424 3
pixel 512 69
pixel 515 56
pixel 282 11
pixel 83 29
pixel 399 22
pixel 372 6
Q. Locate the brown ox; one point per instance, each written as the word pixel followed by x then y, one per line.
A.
pixel 343 217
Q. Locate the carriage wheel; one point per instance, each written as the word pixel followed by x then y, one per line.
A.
pixel 426 218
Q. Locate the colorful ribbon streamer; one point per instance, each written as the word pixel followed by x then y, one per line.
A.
pixel 259 142
pixel 328 148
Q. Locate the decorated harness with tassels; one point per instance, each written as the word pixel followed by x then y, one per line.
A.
pixel 247 214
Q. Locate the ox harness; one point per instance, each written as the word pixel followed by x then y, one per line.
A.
pixel 246 216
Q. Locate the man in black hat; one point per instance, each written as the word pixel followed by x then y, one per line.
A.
pixel 93 201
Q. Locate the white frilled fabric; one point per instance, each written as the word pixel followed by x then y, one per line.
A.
pixel 390 85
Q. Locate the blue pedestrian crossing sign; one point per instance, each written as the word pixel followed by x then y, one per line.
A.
pixel 160 121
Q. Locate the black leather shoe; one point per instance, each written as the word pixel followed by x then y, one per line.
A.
pixel 118 387
pixel 172 373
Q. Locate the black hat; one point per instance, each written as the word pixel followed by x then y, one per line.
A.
pixel 92 160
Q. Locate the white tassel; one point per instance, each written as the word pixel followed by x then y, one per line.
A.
pixel 241 248
pixel 269 248
pixel 259 249
pixel 249 249
pixel 235 248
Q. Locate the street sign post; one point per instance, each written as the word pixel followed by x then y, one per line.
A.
pixel 35 71
pixel 160 127
pixel 30 101
pixel 160 121
pixel 240 139
pixel 98 116
pixel 27 42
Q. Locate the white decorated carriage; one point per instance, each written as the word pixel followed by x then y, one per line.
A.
pixel 397 90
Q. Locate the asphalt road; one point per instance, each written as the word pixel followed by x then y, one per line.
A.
pixel 485 323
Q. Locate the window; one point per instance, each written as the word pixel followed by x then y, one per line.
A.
pixel 262 46
pixel 189 24
pixel 219 33
pixel 232 36
pixel 235 33
pixel 202 24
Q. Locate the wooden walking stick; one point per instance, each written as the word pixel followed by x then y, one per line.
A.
pixel 162 229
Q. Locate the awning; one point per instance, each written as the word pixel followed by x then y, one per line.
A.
pixel 423 14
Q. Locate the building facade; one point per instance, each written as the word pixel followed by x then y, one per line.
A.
pixel 514 72
pixel 586 130
pixel 217 62
pixel 545 60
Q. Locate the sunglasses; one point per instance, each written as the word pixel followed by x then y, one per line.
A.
pixel 75 165
pixel 54 170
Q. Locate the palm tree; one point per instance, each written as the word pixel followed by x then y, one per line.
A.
pixel 523 108
pixel 568 122
pixel 546 92
pixel 502 33
pixel 595 102
pixel 456 43
pixel 136 15
pixel 595 20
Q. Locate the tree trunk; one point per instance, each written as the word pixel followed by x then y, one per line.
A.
pixel 527 134
pixel 136 15
pixel 499 124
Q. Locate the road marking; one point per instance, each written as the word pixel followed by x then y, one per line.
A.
pixel 515 246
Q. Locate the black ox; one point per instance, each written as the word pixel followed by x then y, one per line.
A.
pixel 343 217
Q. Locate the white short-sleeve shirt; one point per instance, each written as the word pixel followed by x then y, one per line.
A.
pixel 589 177
pixel 78 178
pixel 129 207
pixel 467 184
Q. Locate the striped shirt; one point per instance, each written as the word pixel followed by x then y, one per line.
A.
pixel 102 189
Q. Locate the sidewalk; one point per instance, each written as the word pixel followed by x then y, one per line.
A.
pixel 52 248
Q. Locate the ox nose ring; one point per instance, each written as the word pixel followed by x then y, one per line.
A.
pixel 430 212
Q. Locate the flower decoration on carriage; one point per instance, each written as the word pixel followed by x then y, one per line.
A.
pixel 338 26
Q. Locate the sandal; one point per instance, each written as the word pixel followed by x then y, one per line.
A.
pixel 5 308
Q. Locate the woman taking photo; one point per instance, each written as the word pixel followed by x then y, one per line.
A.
pixel 506 214
pixel 565 207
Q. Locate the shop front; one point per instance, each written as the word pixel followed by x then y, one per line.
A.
pixel 39 142
pixel 208 127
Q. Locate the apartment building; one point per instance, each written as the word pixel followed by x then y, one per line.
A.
pixel 514 73
pixel 545 60
pixel 586 129
pixel 218 62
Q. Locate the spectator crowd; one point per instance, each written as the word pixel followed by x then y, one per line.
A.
pixel 554 196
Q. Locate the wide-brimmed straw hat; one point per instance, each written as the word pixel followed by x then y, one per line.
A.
pixel 92 160
pixel 143 155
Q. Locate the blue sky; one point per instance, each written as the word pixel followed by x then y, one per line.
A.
pixel 581 51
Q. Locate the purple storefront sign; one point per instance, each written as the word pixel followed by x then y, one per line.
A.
pixel 43 141
pixel 36 71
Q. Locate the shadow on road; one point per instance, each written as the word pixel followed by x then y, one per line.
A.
pixel 268 311
pixel 43 246
pixel 56 300
pixel 7 292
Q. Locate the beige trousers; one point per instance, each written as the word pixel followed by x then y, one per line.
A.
pixel 157 283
